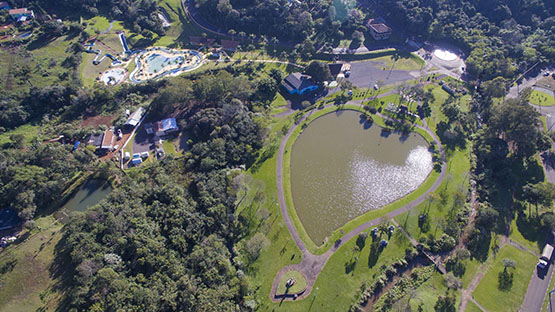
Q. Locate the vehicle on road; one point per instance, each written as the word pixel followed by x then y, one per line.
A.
pixel 545 258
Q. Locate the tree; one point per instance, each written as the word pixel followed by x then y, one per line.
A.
pixel 255 244
pixel 242 34
pixel 232 33
pixel 274 41
pixel 319 71
pixel 266 89
pixel 446 303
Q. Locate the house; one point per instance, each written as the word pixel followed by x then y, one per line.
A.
pixel 21 15
pixel 134 118
pixel 4 5
pixel 165 127
pixel 230 45
pixel 378 29
pixel 104 142
pixel 108 140
pixel 297 83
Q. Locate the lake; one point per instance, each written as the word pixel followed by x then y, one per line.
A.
pixel 88 195
pixel 342 167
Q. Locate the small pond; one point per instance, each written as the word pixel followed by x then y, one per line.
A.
pixel 88 195
pixel 342 167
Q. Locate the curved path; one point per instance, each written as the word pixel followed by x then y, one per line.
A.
pixel 311 265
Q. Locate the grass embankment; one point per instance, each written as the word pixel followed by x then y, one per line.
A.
pixel 312 246
pixel 28 283
pixel 29 131
pixel 344 274
pixel 541 98
pixel 488 293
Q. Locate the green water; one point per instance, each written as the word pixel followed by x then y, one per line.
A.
pixel 342 168
pixel 88 195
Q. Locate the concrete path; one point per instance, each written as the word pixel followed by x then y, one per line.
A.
pixel 311 265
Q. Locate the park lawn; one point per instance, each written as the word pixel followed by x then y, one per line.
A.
pixel 472 307
pixel 541 98
pixel 29 131
pixel 90 72
pixel 472 266
pixel 488 294
pixel 338 282
pixel 111 40
pixel 97 24
pixel 300 282
pixel 439 98
pixel 428 293
pixel 30 286
pixel 526 235
pixel 401 62
pixel 456 180
pixel 180 27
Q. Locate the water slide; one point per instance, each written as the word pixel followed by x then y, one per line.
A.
pixel 97 60
pixel 124 43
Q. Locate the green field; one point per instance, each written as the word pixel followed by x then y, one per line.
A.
pixel 29 131
pixel 541 98
pixel 490 296
pixel 300 283
pixel 31 284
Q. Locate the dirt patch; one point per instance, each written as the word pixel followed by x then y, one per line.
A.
pixel 95 121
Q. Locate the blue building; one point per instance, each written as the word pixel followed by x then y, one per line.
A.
pixel 297 83
pixel 4 5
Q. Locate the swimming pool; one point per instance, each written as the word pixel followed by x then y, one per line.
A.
pixel 157 62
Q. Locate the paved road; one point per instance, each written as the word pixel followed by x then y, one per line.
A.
pixel 311 264
pixel 537 289
pixel 539 283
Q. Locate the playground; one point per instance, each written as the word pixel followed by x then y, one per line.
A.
pixel 158 62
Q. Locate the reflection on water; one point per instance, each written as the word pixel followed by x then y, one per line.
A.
pixel 88 195
pixel 341 169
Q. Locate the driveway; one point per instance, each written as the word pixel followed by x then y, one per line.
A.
pixel 144 142
pixel 366 73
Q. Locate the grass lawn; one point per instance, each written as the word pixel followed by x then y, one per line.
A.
pixel 490 296
pixel 472 307
pixel 541 98
pixel 300 283
pixel 439 98
pixel 29 285
pixel 456 181
pixel 30 132
pixel 428 293
pixel 343 275
pixel 410 62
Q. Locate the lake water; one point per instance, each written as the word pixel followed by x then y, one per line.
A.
pixel 342 168
pixel 88 195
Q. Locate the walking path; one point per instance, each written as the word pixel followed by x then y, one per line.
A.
pixel 311 264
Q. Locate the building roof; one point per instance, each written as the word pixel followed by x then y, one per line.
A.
pixel 335 68
pixel 95 139
pixel 19 11
pixel 380 28
pixel 230 44
pixel 4 5
pixel 108 139
pixel 297 81
pixel 167 124
pixel 134 118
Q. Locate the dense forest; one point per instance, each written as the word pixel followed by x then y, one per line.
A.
pixel 501 37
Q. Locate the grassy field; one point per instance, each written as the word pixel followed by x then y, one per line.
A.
pixel 30 132
pixel 300 282
pixel 30 285
pixel 541 98
pixel 472 307
pixel 456 181
pixel 490 296
pixel 547 299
